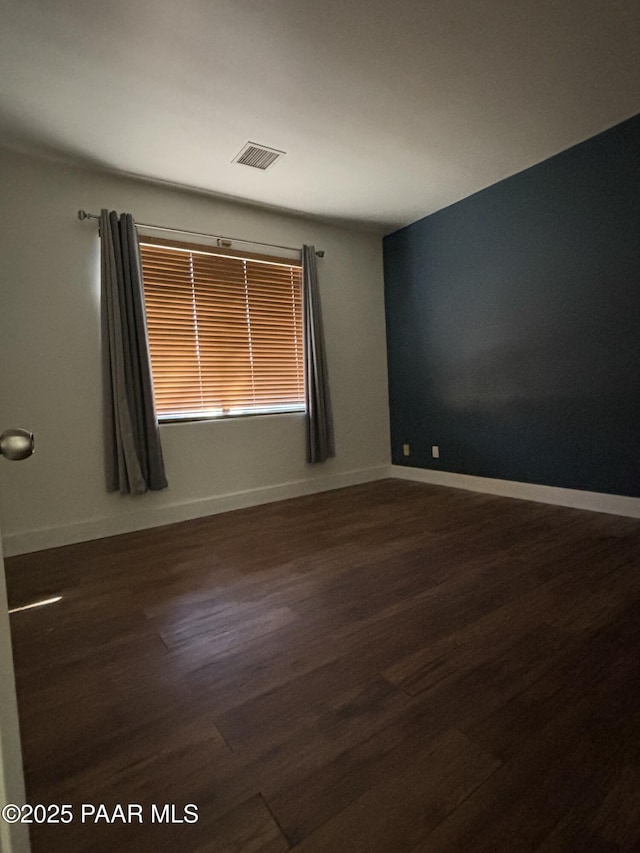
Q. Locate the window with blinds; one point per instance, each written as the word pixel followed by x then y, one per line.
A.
pixel 225 331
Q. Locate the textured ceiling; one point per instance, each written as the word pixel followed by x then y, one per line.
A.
pixel 387 111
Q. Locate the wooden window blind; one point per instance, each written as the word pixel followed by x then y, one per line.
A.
pixel 225 331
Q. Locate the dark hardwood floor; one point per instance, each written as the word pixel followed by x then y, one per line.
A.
pixel 389 667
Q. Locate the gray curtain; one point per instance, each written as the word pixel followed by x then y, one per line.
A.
pixel 133 453
pixel 320 438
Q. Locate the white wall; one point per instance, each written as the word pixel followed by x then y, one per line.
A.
pixel 50 362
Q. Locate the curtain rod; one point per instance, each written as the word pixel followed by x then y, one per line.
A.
pixel 319 252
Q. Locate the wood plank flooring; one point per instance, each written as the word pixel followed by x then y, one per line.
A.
pixel 384 668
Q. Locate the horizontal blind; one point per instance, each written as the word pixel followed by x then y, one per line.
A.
pixel 225 331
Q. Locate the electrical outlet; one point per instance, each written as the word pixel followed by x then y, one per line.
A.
pixel 435 451
pixel 406 450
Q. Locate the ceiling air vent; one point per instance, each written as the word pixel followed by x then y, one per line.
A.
pixel 258 156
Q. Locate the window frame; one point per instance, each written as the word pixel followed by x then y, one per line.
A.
pixel 204 416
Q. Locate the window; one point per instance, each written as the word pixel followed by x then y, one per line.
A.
pixel 225 331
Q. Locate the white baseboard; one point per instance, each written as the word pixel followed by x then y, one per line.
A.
pixel 594 501
pixel 26 541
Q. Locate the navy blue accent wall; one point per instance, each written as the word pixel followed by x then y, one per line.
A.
pixel 513 325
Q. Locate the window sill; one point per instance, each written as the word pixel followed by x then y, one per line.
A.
pixel 194 419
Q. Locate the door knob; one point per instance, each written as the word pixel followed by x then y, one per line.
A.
pixel 16 444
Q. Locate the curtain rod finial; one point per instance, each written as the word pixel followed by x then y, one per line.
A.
pixel 82 215
pixel 320 253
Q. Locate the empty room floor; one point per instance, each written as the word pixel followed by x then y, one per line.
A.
pixel 387 667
